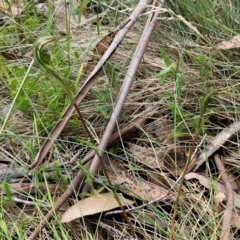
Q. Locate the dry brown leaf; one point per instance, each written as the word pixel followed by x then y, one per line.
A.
pixel 133 186
pixel 92 205
pixel 230 44
pixel 148 156
pixel 10 8
pixel 208 183
pixel 99 50
pixel 103 45
pixel 173 159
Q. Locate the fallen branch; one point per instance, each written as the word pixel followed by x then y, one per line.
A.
pixel 136 59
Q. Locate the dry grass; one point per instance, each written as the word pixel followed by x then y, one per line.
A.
pixel 196 71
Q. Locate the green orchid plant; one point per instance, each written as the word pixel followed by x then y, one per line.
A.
pixel 44 61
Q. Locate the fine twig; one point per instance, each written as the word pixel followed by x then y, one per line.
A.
pixel 227 217
pixel 31 203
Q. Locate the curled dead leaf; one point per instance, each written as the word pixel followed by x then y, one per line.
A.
pixel 99 50
pixel 209 183
pixel 173 159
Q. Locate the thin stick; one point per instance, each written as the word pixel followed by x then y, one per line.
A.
pixel 227 217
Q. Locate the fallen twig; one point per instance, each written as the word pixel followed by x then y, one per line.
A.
pixel 217 142
pixel 227 217
pixel 136 59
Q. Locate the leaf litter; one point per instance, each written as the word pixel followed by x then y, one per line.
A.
pixel 145 149
pixel 99 203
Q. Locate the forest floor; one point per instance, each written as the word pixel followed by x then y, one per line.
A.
pixel 172 159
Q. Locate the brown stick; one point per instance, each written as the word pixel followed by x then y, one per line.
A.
pixel 132 69
pixel 217 142
pixel 227 217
